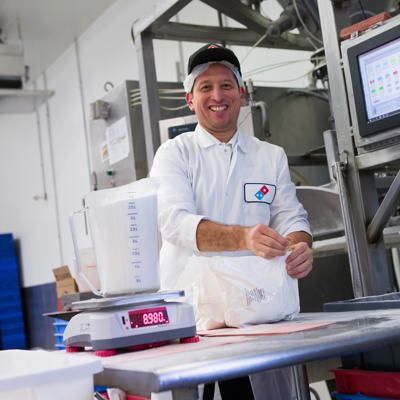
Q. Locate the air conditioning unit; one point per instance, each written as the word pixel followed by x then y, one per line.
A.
pixel 12 68
pixel 14 98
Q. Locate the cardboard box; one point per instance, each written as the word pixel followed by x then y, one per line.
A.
pixel 65 283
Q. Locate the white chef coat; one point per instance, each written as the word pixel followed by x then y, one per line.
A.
pixel 203 178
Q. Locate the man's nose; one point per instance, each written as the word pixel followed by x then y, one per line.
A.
pixel 217 94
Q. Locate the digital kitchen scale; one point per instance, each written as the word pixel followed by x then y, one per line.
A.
pixel 123 322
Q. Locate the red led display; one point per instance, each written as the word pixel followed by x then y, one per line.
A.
pixel 148 317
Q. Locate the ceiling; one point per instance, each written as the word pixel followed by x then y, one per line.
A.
pixel 47 27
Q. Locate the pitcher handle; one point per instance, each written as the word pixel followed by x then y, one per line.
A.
pixel 77 256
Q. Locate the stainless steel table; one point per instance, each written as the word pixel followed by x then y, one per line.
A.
pixel 352 332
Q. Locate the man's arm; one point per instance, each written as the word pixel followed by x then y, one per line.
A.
pixel 261 240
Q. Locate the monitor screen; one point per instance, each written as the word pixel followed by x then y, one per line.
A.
pixel 380 77
pixel 174 131
pixel 374 66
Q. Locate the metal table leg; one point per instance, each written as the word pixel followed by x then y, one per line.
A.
pixel 301 382
pixel 189 393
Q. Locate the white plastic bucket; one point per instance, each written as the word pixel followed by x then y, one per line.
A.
pixel 42 375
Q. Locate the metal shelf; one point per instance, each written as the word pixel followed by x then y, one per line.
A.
pixel 19 101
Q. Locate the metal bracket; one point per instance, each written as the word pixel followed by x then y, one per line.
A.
pixel 344 160
pixel 354 35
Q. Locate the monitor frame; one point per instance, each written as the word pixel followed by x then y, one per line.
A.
pixel 368 133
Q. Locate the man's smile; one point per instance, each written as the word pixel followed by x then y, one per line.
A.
pixel 217 108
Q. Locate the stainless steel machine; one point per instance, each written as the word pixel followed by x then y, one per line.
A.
pixel 118 146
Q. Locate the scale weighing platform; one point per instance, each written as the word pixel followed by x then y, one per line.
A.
pixel 132 322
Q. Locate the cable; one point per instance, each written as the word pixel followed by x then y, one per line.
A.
pixel 254 46
pixel 309 92
pixel 260 69
pixel 171 90
pixel 362 9
pixel 272 66
pixel 138 103
pixel 287 80
pixel 315 393
pixel 171 97
pixel 174 108
pixel 303 23
pixel 269 68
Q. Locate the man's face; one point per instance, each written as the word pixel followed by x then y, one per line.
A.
pixel 216 99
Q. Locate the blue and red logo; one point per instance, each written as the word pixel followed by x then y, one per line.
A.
pixel 262 192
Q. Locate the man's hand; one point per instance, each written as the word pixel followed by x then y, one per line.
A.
pixel 262 240
pixel 299 261
pixel 266 242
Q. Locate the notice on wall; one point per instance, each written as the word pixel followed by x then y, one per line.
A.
pixel 117 141
pixel 104 156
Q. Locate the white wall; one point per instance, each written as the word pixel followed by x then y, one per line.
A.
pixel 104 53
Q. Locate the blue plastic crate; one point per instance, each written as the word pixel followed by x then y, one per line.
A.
pixel 59 325
pixel 15 341
pixel 8 268
pixel 12 332
pixel 358 396
pixel 59 338
pixel 10 293
pixel 15 327
pixel 10 308
pixel 7 245
pixel 12 314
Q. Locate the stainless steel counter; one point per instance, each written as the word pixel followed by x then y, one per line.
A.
pixel 351 333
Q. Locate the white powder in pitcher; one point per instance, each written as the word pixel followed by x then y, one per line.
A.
pixel 124 232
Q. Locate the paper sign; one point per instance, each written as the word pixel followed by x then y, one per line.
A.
pixel 117 141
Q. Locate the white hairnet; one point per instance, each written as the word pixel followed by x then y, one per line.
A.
pixel 199 69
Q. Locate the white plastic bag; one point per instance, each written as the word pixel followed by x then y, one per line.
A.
pixel 239 291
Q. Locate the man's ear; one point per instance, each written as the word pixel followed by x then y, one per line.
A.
pixel 189 98
pixel 242 94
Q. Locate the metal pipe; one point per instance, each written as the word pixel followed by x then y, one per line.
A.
pixel 348 228
pixel 331 150
pixel 301 382
pixel 149 94
pixel 308 92
pixel 40 143
pixel 83 103
pixel 54 174
pixel 385 211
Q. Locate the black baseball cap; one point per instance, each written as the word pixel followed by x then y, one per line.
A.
pixel 212 52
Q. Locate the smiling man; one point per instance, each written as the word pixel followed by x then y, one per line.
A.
pixel 225 193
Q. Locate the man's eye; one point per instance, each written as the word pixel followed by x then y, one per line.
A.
pixel 205 87
pixel 227 86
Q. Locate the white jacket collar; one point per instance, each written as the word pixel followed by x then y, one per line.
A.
pixel 206 139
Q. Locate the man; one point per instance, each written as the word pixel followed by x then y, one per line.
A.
pixel 223 192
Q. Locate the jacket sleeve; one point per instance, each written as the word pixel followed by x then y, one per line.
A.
pixel 177 216
pixel 287 213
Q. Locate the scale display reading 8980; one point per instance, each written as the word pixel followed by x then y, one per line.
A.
pixel 148 317
pixel 111 323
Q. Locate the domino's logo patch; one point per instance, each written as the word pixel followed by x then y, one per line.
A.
pixel 262 192
pixel 259 193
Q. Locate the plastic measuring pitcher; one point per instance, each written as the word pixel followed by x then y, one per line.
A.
pixel 123 226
